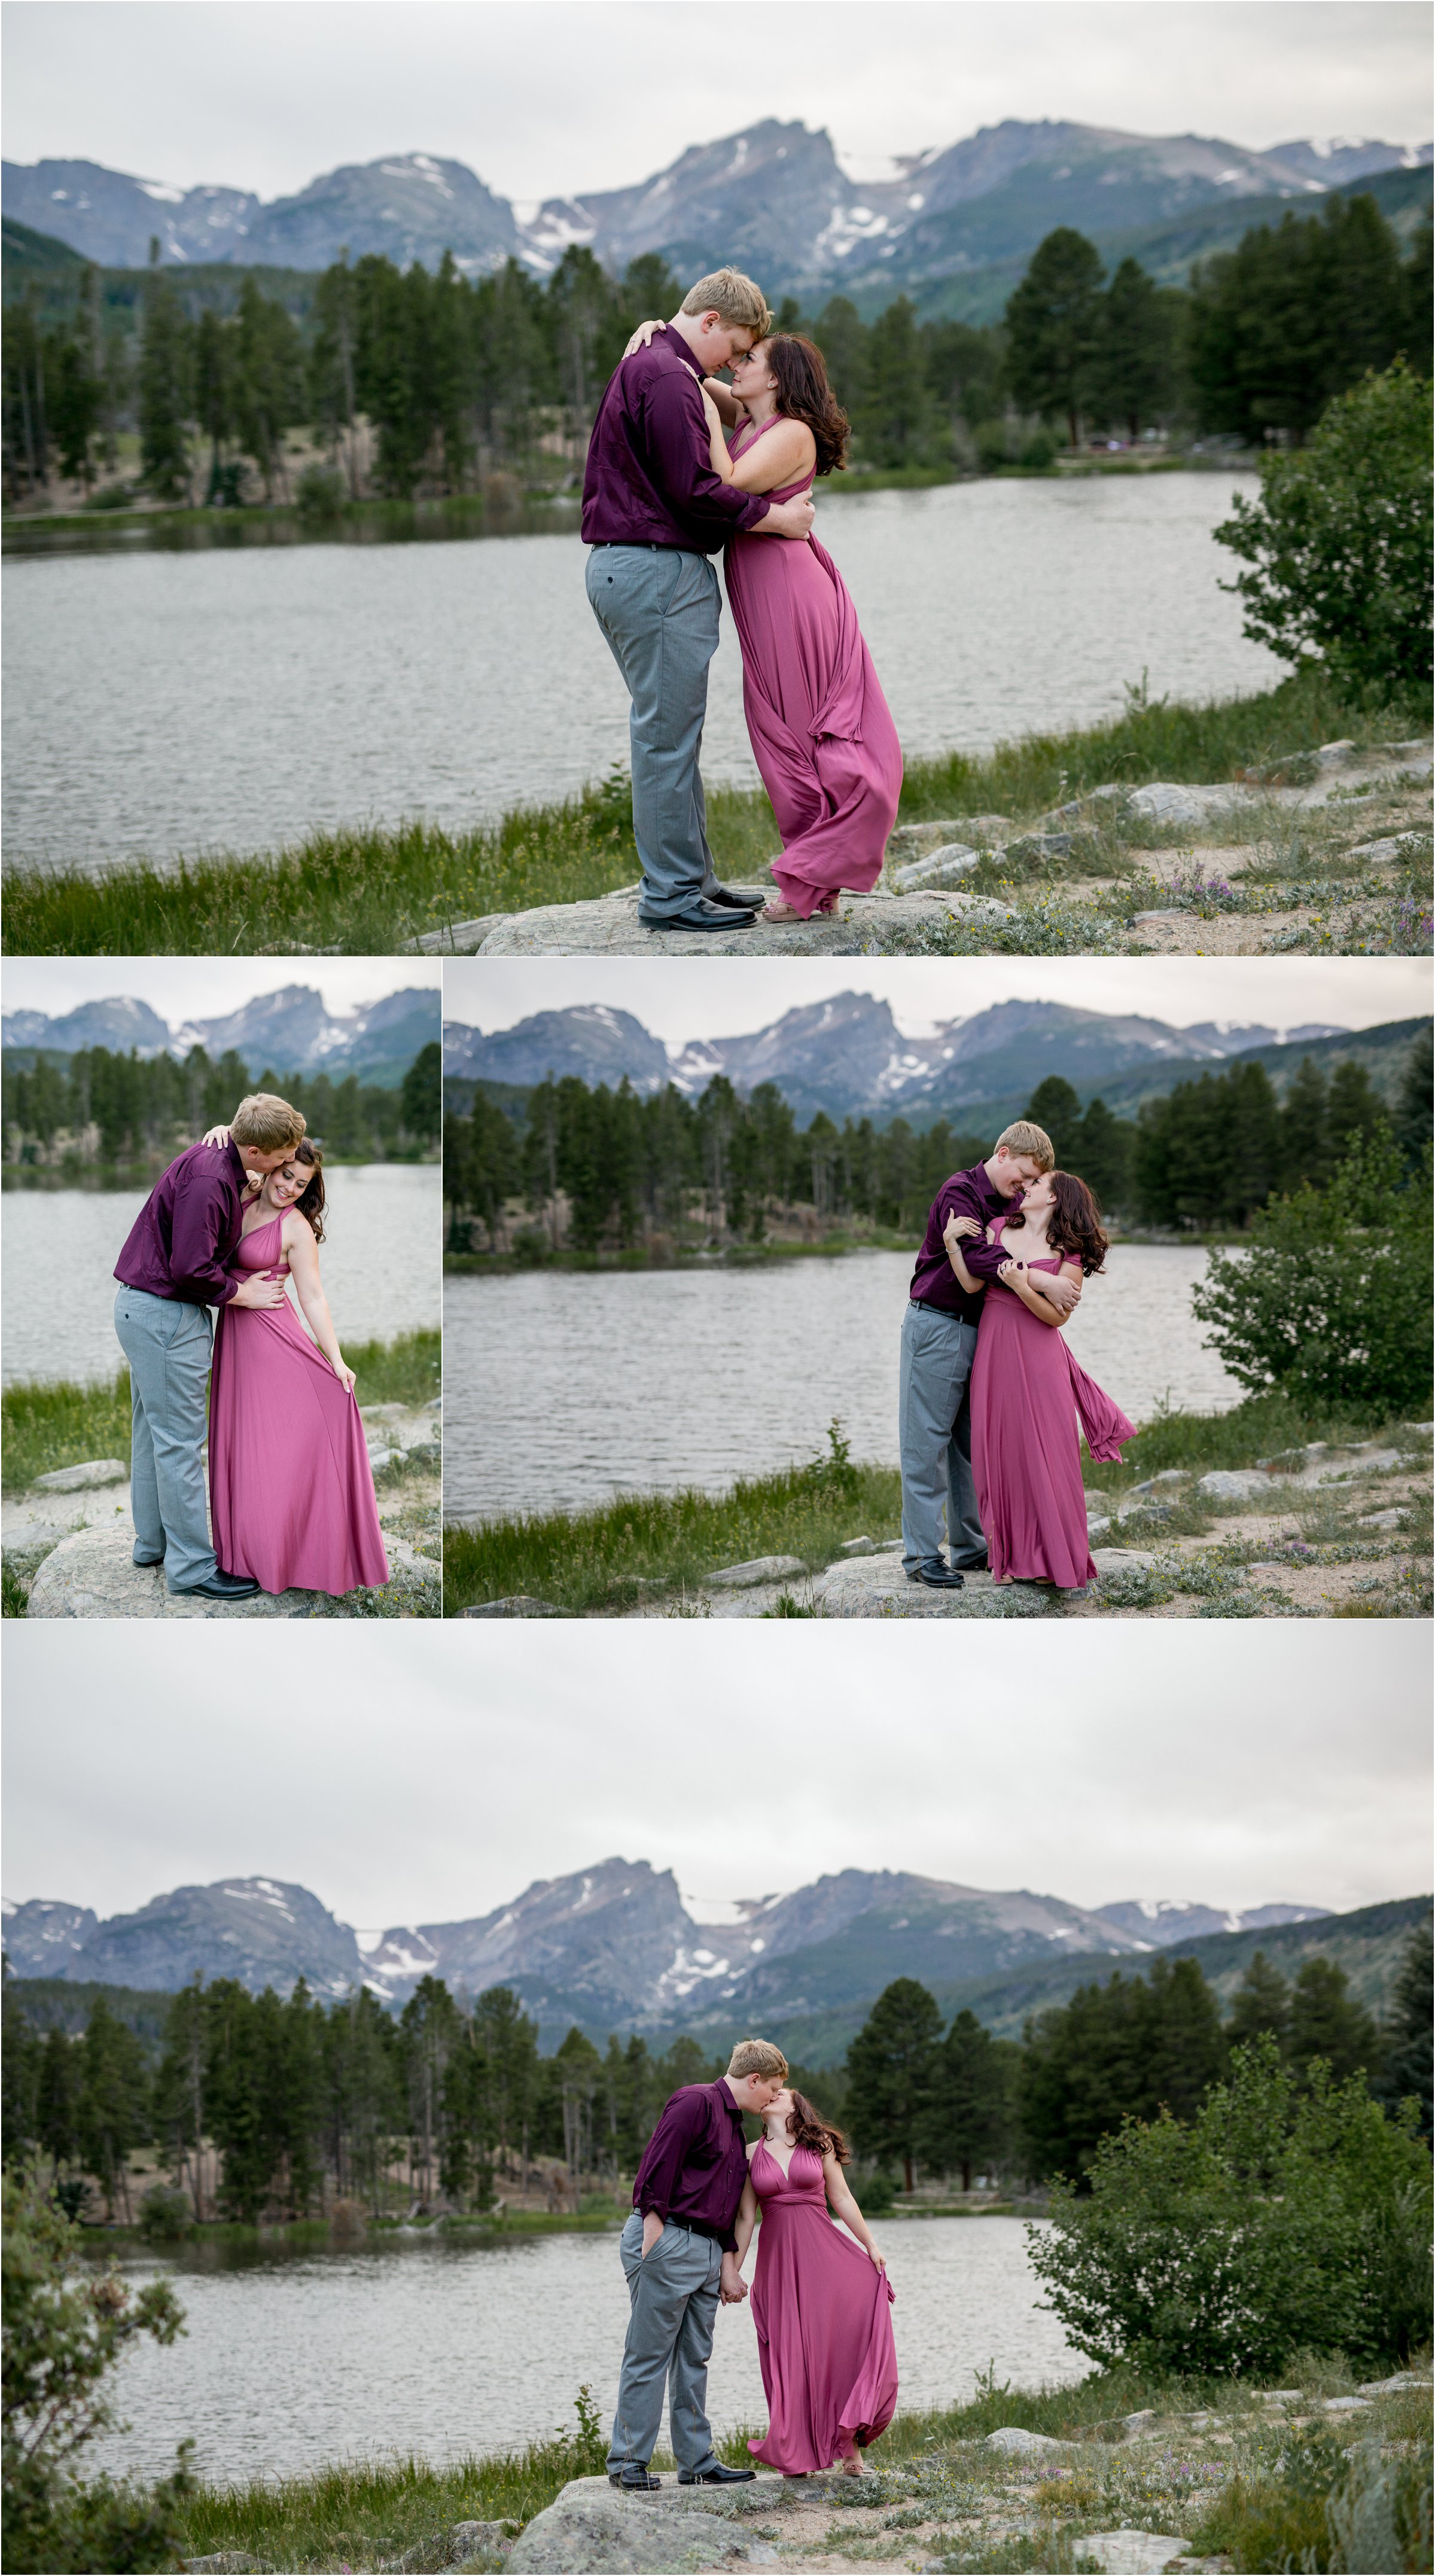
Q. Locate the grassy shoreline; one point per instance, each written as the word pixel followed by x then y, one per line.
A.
pixel 1185 2468
pixel 647 1549
pixel 368 891
pixel 51 1423
pixel 741 1256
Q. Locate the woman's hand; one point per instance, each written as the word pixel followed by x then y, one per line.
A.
pixel 879 2259
pixel 344 1374
pixel 642 336
pixel 958 1228
pixel 219 1136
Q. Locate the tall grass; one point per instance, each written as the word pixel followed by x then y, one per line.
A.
pixel 57 1423
pixel 366 891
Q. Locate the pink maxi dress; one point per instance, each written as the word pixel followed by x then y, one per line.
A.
pixel 823 2314
pixel 291 1491
pixel 822 734
pixel 1027 1392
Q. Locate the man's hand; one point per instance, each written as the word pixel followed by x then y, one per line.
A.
pixel 1063 1293
pixel 734 2287
pixel 787 519
pixel 652 2230
pixel 259 1291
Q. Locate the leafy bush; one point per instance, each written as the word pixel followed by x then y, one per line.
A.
pixel 1332 1303
pixel 320 493
pixel 1339 540
pixel 62 2336
pixel 1283 2218
pixel 165 2215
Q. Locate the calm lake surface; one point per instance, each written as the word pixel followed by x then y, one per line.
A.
pixel 381 1266
pixel 565 1388
pixel 192 702
pixel 445 2349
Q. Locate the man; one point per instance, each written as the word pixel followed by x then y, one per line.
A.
pixel 654 513
pixel 679 2253
pixel 170 1272
pixel 939 1342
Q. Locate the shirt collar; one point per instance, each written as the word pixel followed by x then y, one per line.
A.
pixel 723 2095
pixel 237 1172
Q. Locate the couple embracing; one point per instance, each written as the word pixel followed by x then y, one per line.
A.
pixel 990 1395
pixel 231 1222
pixel 681 466
pixel 820 2302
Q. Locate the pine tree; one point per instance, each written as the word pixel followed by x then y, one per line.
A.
pixel 113 2111
pixel 1406 2038
pixel 1328 2021
pixel 896 414
pixel 1133 366
pixel 1054 328
pixel 165 370
pixel 969 2118
pixel 1261 2002
pixel 843 337
pixel 268 381
pixel 214 394
pixel 1355 1113
pixel 1055 1106
pixel 1304 1145
pixel 891 2068
pixel 1416 1100
pixel 1103 1154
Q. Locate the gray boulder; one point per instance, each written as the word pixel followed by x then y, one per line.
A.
pixel 1135 2553
pixel 945 866
pixel 609 927
pixel 514 1605
pixel 81 1480
pixel 593 2531
pixel 92 1575
pixel 876 1587
pixel 757 1569
pixel 1015 2437
pixel 1233 1484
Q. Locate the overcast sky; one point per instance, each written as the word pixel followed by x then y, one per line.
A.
pixel 555 96
pixel 695 997
pixel 410 1775
pixel 204 988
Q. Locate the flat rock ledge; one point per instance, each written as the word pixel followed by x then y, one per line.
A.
pixel 609 927
pixel 876 1587
pixel 92 1575
pixel 591 2526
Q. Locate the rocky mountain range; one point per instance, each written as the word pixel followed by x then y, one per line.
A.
pixel 847 1056
pixel 775 198
pixel 614 1946
pixel 290 1031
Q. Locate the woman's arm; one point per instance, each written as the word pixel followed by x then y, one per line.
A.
pixel 1028 1287
pixel 784 454
pixel 303 1254
pixel 845 2207
pixel 953 1231
pixel 746 2222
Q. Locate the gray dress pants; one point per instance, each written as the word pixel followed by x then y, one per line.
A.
pixel 659 609
pixel 936 1438
pixel 168 1344
pixel 674 2297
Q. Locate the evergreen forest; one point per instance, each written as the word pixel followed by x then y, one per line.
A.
pixel 98 1108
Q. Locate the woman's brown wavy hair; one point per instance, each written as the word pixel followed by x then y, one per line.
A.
pixel 311 1205
pixel 803 393
pixel 807 2128
pixel 1074 1226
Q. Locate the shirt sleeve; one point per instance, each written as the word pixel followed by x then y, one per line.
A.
pixel 983 1259
pixel 196 1266
pixel 678 2125
pixel 682 461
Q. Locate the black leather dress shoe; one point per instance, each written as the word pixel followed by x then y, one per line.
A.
pixel 137 1559
pixel 634 2479
pixel 734 902
pixel 699 917
pixel 972 1564
pixel 937 1576
pixel 716 2476
pixel 219 1587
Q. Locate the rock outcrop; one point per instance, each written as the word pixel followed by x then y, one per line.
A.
pixel 609 927
pixel 92 1575
pixel 592 2526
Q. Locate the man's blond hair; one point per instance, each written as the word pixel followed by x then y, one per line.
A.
pixel 266 1124
pixel 1024 1137
pixel 757 2057
pixel 734 298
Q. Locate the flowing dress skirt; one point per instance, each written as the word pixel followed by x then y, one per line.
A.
pixel 822 733
pixel 291 1488
pixel 823 2314
pixel 1027 1391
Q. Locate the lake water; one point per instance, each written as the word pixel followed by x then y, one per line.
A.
pixel 447 2349
pixel 381 1266
pixel 563 1388
pixel 190 702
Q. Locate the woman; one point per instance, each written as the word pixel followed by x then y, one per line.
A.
pixel 822 735
pixel 1027 1390
pixel 821 2305
pixel 291 1492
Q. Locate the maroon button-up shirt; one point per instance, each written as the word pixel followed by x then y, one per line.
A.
pixel 695 2163
pixel 934 1281
pixel 650 480
pixel 187 1229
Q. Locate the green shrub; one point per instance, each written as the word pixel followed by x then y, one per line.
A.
pixel 1290 2214
pixel 1340 537
pixel 62 2337
pixel 1331 1305
pixel 320 493
pixel 1321 2507
pixel 165 2215
pixel 993 445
